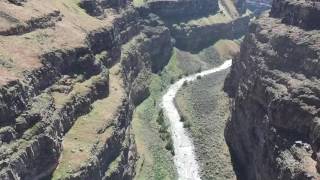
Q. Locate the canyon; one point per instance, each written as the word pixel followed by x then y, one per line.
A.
pixel 73 73
pixel 82 84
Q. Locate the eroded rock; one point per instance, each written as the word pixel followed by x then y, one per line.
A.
pixel 273 131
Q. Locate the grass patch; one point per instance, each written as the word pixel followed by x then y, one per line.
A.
pixel 138 3
pixel 205 110
pixel 91 130
pixel 73 5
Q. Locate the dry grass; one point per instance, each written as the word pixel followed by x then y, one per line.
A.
pixel 227 13
pixel 138 3
pixel 226 48
pixel 210 20
pixel 6 76
pixel 230 8
pixel 24 50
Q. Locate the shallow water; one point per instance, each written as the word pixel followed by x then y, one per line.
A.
pixel 184 159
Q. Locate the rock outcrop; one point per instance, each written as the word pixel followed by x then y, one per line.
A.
pixel 196 35
pixel 274 128
pixel 62 81
pixel 196 25
pixel 180 9
pixel 99 7
pixel 71 74
pixel 241 6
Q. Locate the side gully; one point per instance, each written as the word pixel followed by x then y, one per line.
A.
pixel 184 159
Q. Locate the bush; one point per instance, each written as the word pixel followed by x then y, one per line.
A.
pixel 172 80
pixel 182 119
pixel 185 83
pixel 169 146
pixel 187 124
pixel 199 77
pixel 165 136
pixel 160 119
pixel 163 128
pixel 200 69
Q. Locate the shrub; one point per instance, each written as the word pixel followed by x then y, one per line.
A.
pixel 172 80
pixel 165 136
pixel 185 83
pixel 199 77
pixel 160 119
pixel 182 119
pixel 163 128
pixel 187 124
pixel 169 146
pixel 199 69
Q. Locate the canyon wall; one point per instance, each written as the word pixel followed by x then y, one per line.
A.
pixel 71 74
pixel 196 25
pixel 43 106
pixel 273 132
pixel 183 8
pixel 195 37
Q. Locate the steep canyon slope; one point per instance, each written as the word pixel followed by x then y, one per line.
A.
pixel 73 71
pixel 274 129
pixel 69 84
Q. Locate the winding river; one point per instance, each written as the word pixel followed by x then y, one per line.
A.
pixel 184 159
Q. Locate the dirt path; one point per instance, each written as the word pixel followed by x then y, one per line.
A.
pixel 184 159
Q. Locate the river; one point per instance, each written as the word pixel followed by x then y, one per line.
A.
pixel 184 159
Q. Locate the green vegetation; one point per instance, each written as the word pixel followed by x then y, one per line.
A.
pixel 138 3
pixel 73 5
pixel 91 130
pixel 154 144
pixel 172 80
pixel 164 134
pixel 187 124
pixel 169 146
pixel 199 70
pixel 185 83
pixel 114 166
pixel 150 127
pixel 205 110
pixel 183 118
pixel 160 119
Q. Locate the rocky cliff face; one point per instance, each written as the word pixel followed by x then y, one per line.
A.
pixel 304 14
pixel 195 35
pixel 196 25
pixel 183 8
pixel 241 6
pixel 71 74
pixel 274 128
pixel 63 74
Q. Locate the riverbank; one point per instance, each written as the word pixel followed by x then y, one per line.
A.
pixel 184 159
pixel 205 108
